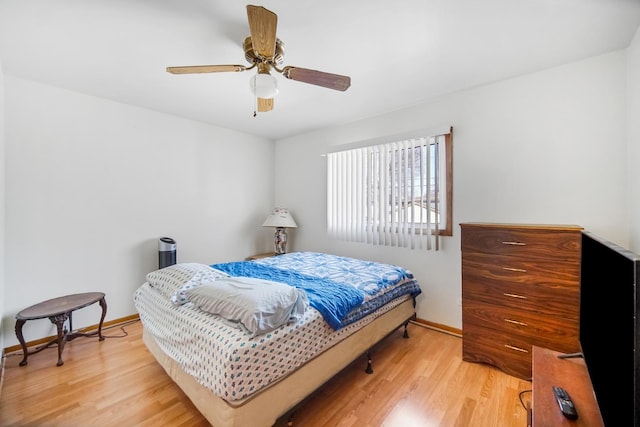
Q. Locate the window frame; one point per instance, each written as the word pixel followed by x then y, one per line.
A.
pixel 445 190
pixel 448 148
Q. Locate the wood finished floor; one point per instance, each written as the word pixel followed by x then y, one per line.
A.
pixel 421 381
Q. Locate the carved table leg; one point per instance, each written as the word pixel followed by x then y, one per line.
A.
pixel 25 352
pixel 103 304
pixel 62 334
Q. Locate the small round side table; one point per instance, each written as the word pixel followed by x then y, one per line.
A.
pixel 58 310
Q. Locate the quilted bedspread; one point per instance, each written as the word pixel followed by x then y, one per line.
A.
pixel 369 277
pixel 336 286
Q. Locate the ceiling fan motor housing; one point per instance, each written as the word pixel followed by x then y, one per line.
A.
pixel 252 57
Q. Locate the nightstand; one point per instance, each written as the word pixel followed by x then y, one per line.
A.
pixel 258 256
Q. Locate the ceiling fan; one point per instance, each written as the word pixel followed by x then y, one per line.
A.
pixel 264 51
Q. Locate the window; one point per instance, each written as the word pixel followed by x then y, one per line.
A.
pixel 395 194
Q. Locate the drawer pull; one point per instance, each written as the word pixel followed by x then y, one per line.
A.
pixel 516 348
pixel 514 243
pixel 519 270
pixel 514 295
pixel 515 322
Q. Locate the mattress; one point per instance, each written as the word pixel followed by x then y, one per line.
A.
pixel 225 359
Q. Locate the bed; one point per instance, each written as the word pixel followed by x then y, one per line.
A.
pixel 252 368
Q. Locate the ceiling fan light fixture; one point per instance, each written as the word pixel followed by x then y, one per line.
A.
pixel 264 85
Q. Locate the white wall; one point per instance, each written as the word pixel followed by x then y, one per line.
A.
pixel 2 181
pixel 633 126
pixel 548 147
pixel 91 185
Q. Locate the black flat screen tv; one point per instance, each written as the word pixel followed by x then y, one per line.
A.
pixel 609 328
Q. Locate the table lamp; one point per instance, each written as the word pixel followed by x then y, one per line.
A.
pixel 281 219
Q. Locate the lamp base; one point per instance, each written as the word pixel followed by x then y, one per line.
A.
pixel 281 241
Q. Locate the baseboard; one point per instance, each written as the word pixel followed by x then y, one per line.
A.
pixel 438 327
pixel 86 329
pixel 420 322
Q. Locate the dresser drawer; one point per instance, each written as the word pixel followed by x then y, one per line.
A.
pixel 551 243
pixel 528 287
pixel 525 270
pixel 556 333
pixel 508 353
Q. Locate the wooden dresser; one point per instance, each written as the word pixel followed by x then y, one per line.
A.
pixel 520 288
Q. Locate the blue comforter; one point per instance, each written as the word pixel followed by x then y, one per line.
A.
pixel 332 299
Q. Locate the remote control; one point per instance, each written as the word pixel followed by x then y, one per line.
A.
pixel 565 402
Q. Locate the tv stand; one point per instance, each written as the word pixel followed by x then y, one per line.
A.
pixel 569 373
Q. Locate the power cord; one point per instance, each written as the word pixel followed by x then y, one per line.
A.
pixel 121 326
pixel 520 397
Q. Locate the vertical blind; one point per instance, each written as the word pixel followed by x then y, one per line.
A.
pixel 387 194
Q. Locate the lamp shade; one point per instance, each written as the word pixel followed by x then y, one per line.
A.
pixel 280 217
pixel 264 85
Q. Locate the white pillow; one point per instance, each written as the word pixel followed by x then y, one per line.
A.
pixel 172 281
pixel 257 305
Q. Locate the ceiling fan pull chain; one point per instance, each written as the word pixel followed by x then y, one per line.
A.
pixel 255 98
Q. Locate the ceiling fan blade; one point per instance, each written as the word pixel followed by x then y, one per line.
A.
pixel 262 24
pixel 193 69
pixel 265 104
pixel 318 78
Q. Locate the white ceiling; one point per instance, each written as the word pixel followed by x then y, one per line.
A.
pixel 397 53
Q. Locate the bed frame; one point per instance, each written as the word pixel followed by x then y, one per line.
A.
pixel 265 407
